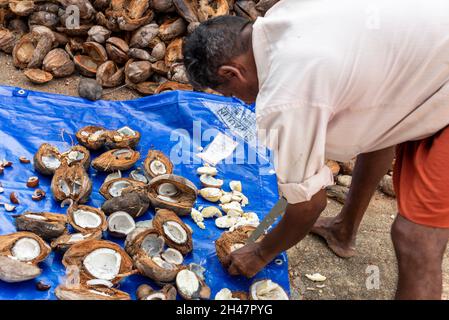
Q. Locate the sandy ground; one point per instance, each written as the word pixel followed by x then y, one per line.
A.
pixel 346 278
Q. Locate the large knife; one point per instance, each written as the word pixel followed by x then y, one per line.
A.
pixel 269 219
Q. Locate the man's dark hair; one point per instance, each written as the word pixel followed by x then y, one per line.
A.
pixel 212 44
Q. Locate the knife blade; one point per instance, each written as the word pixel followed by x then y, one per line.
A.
pixel 269 219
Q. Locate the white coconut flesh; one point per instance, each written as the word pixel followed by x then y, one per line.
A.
pixel 127 132
pixel 225 222
pixel 98 293
pixel 100 282
pixel 26 249
pixel 35 216
pixel 51 162
pixel 103 263
pixel 86 219
pixel 95 135
pixel 163 264
pixel 167 199
pixel 267 290
pixel 236 246
pixel 73 156
pixel 156 296
pixel 136 175
pixel 225 294
pixel 167 189
pixel 112 176
pixel 117 187
pixel 157 167
pixel 175 232
pixel 152 245
pixel 187 283
pixel 172 256
pixel 76 237
pixel 121 222
pixel 122 153
pixel 211 171
pixel 211 181
pixel 145 224
pixel 76 187
pixel 64 187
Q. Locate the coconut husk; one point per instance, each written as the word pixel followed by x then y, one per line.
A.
pixel 38 76
pixel 223 245
pixel 135 202
pixel 96 51
pixel 171 86
pixel 76 254
pixel 58 63
pixel 159 222
pixel 116 140
pixel 129 184
pixel 109 75
pixel 71 182
pixel 137 71
pixel 7 242
pixel 188 9
pixel 174 52
pixel 211 9
pixel 116 159
pixel 117 50
pixel 172 28
pixel 46 225
pixel 84 162
pixel 71 218
pixel 156 155
pixel 45 150
pixel 85 138
pixel 23 51
pixel 85 292
pixel 185 196
pixel 65 241
pixel 145 292
pixel 143 36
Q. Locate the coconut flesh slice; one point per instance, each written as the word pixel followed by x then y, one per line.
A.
pixel 86 219
pixel 153 245
pixel 100 282
pixel 158 168
pixel 51 162
pixel 225 294
pixel 163 264
pixel 210 181
pixel 117 187
pixel 167 189
pixel 138 175
pixel 267 290
pixel 211 171
pixel 73 156
pixel 121 223
pixel 35 216
pixel 175 232
pixel 103 263
pixel 112 176
pixel 172 256
pixel 187 283
pixel 26 249
pixel 127 132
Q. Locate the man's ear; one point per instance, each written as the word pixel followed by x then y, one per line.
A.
pixel 229 72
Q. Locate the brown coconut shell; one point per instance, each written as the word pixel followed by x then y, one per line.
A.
pixel 247 9
pixel 58 63
pixel 160 68
pixel 203 291
pixel 53 226
pixel 133 184
pixel 45 150
pixel 79 192
pixel 22 8
pixel 134 202
pixel 23 51
pixel 185 198
pixel 7 241
pixel 147 87
pixel 188 9
pixel 70 216
pixel 117 50
pixel 85 65
pixel 98 34
pixel 142 37
pixel 96 51
pixel 207 11
pixel 145 263
pixel 174 52
pixel 65 241
pixel 153 155
pixel 116 140
pixel 164 215
pixel 12 270
pixel 38 76
pixel 85 292
pixel 171 86
pixel 87 141
pixel 145 292
pixel 84 162
pixel 8 40
pixel 76 254
pixel 114 160
pixel 109 75
pixel 227 239
pixel 172 28
pixel 137 71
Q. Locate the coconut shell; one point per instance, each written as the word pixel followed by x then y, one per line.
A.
pixel 161 217
pixel 7 242
pixel 188 9
pixel 65 241
pixel 22 8
pixel 142 37
pixel 115 140
pixel 132 184
pixel 172 28
pixel 206 11
pixel 84 162
pixel 23 51
pixel 85 292
pixel 159 156
pixel 45 150
pixel 43 18
pixel 78 182
pixel 159 67
pixel 246 9
pixel 96 51
pixel 85 65
pixel 135 203
pixel 98 34
pixel 145 292
pixel 171 86
pixel 76 254
pixel 117 50
pixel 174 52
pixel 145 263
pixel 58 63
pixel 185 198
pixel 147 87
pixel 38 76
pixel 86 139
pixel 12 270
pixel 109 75
pixel 163 5
pixel 52 227
pixel 45 39
pixel 137 71
pixel 223 245
pixel 110 162
pixel 70 215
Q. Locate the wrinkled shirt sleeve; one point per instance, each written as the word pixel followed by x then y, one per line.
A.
pixel 297 136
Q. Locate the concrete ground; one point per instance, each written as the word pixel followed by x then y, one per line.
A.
pixel 346 279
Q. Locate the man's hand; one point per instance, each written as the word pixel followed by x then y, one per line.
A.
pixel 246 261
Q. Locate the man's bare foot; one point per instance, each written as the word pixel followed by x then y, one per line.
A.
pixel 330 230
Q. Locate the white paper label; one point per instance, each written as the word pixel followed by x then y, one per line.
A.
pixel 220 148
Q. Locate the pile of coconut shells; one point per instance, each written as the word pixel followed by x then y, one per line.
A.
pixel 116 42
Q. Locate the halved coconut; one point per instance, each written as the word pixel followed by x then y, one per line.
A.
pixel 47 159
pixel 172 86
pixel 190 286
pixel 38 76
pixel 172 28
pixel 174 52
pixel 172 192
pixel 138 175
pixel 92 137
pixel 226 294
pixel 157 163
pixel 117 50
pixel 137 71
pixel 116 159
pixel 64 242
pixel 267 290
pixel 58 63
pixel 71 182
pixel 115 187
pixel 176 233
pixel 120 224
pixel 20 253
pixel 45 224
pixel 144 247
pixel 145 292
pixel 133 202
pixel 86 65
pixel 99 259
pixel 210 182
pixel 231 241
pixel 77 155
pixel 124 137
pixel 172 256
pixel 86 219
pixel 90 292
pixel 23 51
pixel 96 51
pixel 109 75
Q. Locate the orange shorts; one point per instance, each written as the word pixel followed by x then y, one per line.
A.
pixel 421 180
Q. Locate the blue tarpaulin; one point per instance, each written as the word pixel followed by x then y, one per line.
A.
pixel 177 123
